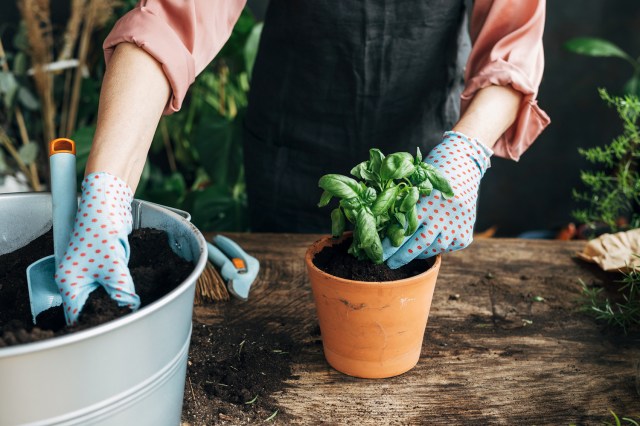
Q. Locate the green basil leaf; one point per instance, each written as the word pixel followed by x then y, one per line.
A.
pixel 418 156
pixel 368 237
pixel 384 201
pixel 413 222
pixel 374 251
pixel 395 233
pixel 362 189
pixel 338 223
pixel 419 175
pixel 410 200
pixel 425 187
pixel 366 225
pixel 339 186
pixel 397 166
pixel 357 170
pixel 376 157
pixel 369 196
pixel 440 183
pixel 351 216
pixel 362 171
pixel 402 219
pixel 325 198
pixel 351 203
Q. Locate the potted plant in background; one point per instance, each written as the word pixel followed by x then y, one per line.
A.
pixel 373 318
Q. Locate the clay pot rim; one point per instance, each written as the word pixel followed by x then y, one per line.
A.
pixel 315 248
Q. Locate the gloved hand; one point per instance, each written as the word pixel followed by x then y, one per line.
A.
pixel 98 251
pixel 446 224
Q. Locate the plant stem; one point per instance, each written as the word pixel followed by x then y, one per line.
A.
pixel 64 113
pixel 224 72
pixel 36 15
pixel 89 18
pixel 73 27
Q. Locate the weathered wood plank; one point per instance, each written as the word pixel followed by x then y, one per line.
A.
pixel 491 356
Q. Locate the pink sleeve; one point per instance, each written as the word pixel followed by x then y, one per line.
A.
pixel 183 35
pixel 507 50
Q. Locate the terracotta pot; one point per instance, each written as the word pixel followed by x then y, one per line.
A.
pixel 371 329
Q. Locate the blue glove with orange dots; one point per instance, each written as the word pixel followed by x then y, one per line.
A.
pixel 98 251
pixel 446 224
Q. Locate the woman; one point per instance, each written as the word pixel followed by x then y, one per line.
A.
pixel 331 80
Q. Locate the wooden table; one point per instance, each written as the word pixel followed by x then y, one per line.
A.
pixel 491 353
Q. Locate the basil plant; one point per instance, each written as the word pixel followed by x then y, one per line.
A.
pixel 382 203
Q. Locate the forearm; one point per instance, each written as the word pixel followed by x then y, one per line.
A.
pixel 133 96
pixel 491 112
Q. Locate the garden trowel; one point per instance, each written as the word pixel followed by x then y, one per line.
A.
pixel 43 291
pixel 237 268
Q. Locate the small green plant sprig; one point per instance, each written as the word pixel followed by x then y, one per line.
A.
pixel 382 203
pixel 613 190
pixel 622 313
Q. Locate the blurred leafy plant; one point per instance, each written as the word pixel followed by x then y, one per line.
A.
pixel 44 74
pixel 383 203
pixel 613 189
pixel 50 81
pixel 597 47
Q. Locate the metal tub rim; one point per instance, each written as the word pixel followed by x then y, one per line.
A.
pixel 123 321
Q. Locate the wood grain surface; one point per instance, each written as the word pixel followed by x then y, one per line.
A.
pixel 491 353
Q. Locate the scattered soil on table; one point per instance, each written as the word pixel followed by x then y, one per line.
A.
pixel 233 372
pixel 155 269
pixel 335 260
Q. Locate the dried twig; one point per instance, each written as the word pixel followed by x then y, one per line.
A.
pixel 97 13
pixel 193 394
pixel 73 29
pixel 70 38
pixel 36 15
pixel 64 112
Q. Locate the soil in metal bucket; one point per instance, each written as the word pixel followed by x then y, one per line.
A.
pixel 155 268
pixel 335 260
pixel 234 368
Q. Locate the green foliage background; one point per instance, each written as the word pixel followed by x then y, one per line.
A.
pixel 195 162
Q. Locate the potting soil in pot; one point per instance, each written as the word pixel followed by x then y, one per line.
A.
pixel 335 260
pixel 155 268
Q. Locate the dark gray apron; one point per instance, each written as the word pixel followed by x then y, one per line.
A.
pixel 334 78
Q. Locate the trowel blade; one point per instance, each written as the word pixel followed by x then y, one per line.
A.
pixel 43 290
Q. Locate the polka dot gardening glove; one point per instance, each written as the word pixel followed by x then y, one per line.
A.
pixel 446 224
pixel 98 251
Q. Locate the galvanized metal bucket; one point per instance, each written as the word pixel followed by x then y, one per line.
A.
pixel 130 371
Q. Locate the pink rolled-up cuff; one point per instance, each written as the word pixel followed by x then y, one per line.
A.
pixel 151 33
pixel 531 119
